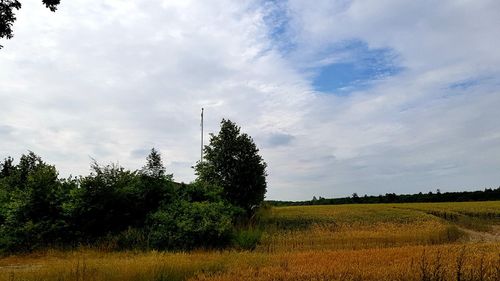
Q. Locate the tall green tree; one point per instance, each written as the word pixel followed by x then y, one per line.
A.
pixel 232 161
pixel 154 166
pixel 155 187
pixel 7 167
pixel 8 16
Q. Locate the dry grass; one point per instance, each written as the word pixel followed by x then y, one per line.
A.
pixel 478 216
pixel 92 265
pixel 429 263
pixel 353 227
pixel 382 235
pixel 440 262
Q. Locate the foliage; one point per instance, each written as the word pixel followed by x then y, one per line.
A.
pixel 189 225
pixel 32 204
pixel 232 162
pixel 247 239
pixel 104 202
pixel 7 15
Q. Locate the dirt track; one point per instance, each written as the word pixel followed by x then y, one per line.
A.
pixel 477 236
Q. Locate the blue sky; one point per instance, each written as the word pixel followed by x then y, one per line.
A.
pixel 361 67
pixel 356 65
pixel 341 96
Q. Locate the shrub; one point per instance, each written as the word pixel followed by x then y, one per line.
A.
pixel 247 239
pixel 188 225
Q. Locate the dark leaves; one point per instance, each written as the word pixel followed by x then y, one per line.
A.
pixel 51 4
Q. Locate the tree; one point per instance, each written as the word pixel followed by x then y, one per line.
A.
pixel 7 15
pixel 355 197
pixel 154 167
pixel 32 198
pixel 154 187
pixel 233 163
pixel 7 167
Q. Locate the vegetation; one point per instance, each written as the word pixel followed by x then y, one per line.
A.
pixel 121 209
pixel 361 226
pixel 346 242
pixel 71 229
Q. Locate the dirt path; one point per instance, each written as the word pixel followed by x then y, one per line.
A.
pixel 476 236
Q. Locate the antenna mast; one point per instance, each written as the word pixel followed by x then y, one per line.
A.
pixel 201 148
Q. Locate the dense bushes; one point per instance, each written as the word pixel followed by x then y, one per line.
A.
pixel 32 205
pixel 190 225
pixel 112 207
pixel 120 209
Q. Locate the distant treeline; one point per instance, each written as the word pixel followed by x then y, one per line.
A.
pixel 487 194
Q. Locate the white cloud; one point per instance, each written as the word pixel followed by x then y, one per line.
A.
pixel 112 79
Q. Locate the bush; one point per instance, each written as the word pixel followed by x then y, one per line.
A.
pixel 189 225
pixel 113 208
pixel 32 199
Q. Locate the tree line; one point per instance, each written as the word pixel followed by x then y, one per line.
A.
pixel 118 208
pixel 488 194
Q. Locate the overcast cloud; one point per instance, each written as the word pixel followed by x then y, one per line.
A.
pixel 341 96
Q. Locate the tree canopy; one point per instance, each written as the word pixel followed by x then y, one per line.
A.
pixel 232 161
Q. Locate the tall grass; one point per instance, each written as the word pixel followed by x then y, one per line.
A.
pixel 412 263
pixel 126 266
pixel 426 263
pixel 352 227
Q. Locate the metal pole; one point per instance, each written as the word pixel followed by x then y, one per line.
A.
pixel 201 150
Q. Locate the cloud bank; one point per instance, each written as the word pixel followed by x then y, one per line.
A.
pixel 341 96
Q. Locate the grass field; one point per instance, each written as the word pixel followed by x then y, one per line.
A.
pixel 429 241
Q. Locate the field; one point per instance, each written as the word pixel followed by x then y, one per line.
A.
pixel 421 241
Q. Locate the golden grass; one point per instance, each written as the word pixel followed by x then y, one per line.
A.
pixel 353 227
pixel 93 265
pixel 320 237
pixel 473 208
pixel 400 263
pixel 480 262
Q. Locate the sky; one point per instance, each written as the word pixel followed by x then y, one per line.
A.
pixel 340 96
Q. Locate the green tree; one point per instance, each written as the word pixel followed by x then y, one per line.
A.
pixel 7 15
pixel 32 199
pixel 232 161
pixel 105 202
pixel 7 167
pixel 154 188
pixel 154 166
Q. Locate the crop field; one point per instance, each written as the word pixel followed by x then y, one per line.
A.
pixel 421 241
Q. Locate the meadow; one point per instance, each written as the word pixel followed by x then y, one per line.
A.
pixel 417 241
